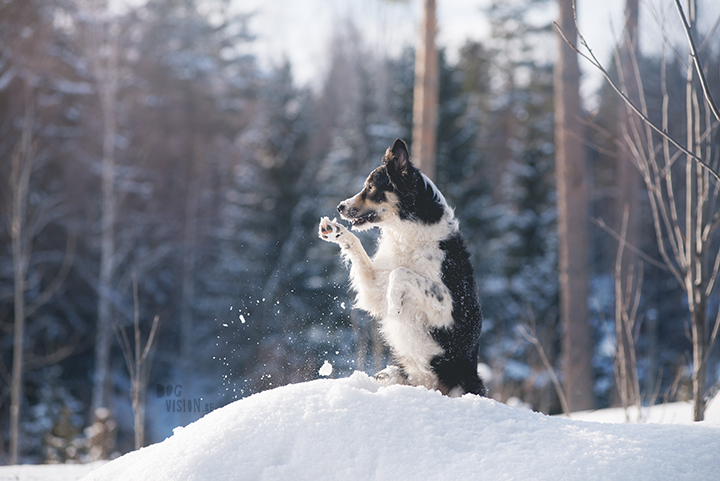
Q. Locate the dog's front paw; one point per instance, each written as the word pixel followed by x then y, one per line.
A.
pixel 333 231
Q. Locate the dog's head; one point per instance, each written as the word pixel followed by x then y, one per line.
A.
pixel 395 190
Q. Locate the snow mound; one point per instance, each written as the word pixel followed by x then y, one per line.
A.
pixel 355 429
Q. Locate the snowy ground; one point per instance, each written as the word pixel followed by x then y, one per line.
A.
pixel 354 429
pixel 55 472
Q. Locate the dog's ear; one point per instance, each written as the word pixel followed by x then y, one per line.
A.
pixel 397 162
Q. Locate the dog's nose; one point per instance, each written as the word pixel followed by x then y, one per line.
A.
pixel 341 207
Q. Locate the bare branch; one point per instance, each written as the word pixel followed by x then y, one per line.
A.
pixel 596 63
pixel 713 275
pixel 710 34
pixel 69 347
pixel 696 61
pixel 713 337
pixel 136 323
pixel 59 279
pixel 150 339
pixel 125 347
pixel 601 223
pixel 530 335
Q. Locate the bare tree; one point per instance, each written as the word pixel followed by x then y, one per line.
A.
pixel 425 96
pixel 628 197
pixel 685 202
pixel 27 221
pixel 22 166
pixel 572 222
pixel 135 360
pixel 628 285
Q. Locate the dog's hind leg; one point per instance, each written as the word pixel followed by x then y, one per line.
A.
pixel 433 298
pixel 391 375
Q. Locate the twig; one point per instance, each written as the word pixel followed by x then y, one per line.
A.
pixel 596 63
pixel 150 339
pixel 601 223
pixel 696 62
pixel 654 396
pixel 712 392
pixel 59 279
pixel 530 335
pixel 713 337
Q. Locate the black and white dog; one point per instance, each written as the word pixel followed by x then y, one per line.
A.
pixel 420 283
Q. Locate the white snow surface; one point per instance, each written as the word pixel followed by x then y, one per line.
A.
pixel 355 429
pixel 47 472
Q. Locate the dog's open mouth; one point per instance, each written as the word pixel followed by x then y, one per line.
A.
pixel 364 219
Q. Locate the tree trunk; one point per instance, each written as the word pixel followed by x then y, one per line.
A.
pixel 696 276
pixel 699 336
pixel 106 74
pixel 425 95
pixel 22 166
pixel 572 220
pixel 695 273
pixel 19 271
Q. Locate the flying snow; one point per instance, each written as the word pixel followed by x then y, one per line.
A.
pixel 326 369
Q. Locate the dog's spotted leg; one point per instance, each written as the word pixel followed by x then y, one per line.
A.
pixel 432 297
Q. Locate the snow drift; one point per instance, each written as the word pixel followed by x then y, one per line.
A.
pixel 355 429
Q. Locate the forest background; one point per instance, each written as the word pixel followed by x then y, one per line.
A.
pixel 154 174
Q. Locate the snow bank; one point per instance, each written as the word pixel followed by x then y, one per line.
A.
pixel 672 413
pixel 47 472
pixel 354 429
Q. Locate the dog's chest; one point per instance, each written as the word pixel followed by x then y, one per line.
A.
pixel 425 260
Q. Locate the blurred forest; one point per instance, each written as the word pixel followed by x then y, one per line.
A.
pixel 150 168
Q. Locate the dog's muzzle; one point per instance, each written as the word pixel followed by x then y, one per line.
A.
pixel 352 214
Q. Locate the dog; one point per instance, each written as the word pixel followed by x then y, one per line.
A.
pixel 419 284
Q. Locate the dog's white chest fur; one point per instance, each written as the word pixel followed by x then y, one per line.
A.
pixel 409 298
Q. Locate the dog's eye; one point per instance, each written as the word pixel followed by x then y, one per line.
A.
pixel 370 187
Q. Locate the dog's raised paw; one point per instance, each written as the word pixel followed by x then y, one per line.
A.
pixel 332 231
